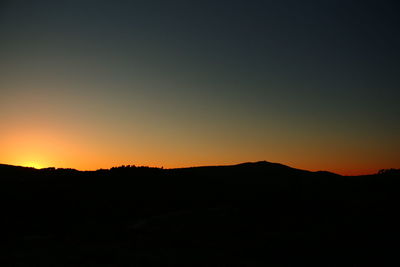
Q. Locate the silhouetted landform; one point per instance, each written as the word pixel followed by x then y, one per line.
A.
pixel 252 214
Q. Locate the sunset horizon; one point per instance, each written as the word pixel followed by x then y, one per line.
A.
pixel 93 85
pixel 38 165
pixel 199 133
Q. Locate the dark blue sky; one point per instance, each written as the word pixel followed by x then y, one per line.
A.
pixel 314 84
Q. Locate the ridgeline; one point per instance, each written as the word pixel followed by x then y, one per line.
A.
pixel 251 214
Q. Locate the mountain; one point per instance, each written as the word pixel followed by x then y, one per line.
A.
pixel 250 214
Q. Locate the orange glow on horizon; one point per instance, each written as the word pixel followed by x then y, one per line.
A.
pixel 51 145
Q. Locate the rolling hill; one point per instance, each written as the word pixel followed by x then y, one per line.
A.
pixel 250 214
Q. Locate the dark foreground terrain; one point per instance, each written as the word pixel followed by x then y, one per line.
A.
pixel 254 214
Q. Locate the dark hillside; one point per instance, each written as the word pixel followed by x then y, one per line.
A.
pixel 252 214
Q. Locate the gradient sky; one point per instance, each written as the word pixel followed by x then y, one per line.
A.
pixel 95 84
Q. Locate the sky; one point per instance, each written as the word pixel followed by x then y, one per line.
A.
pixel 95 84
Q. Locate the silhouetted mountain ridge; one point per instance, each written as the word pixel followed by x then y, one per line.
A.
pixel 267 167
pixel 250 214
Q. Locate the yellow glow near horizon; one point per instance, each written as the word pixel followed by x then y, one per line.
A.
pixel 32 164
pixel 49 143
